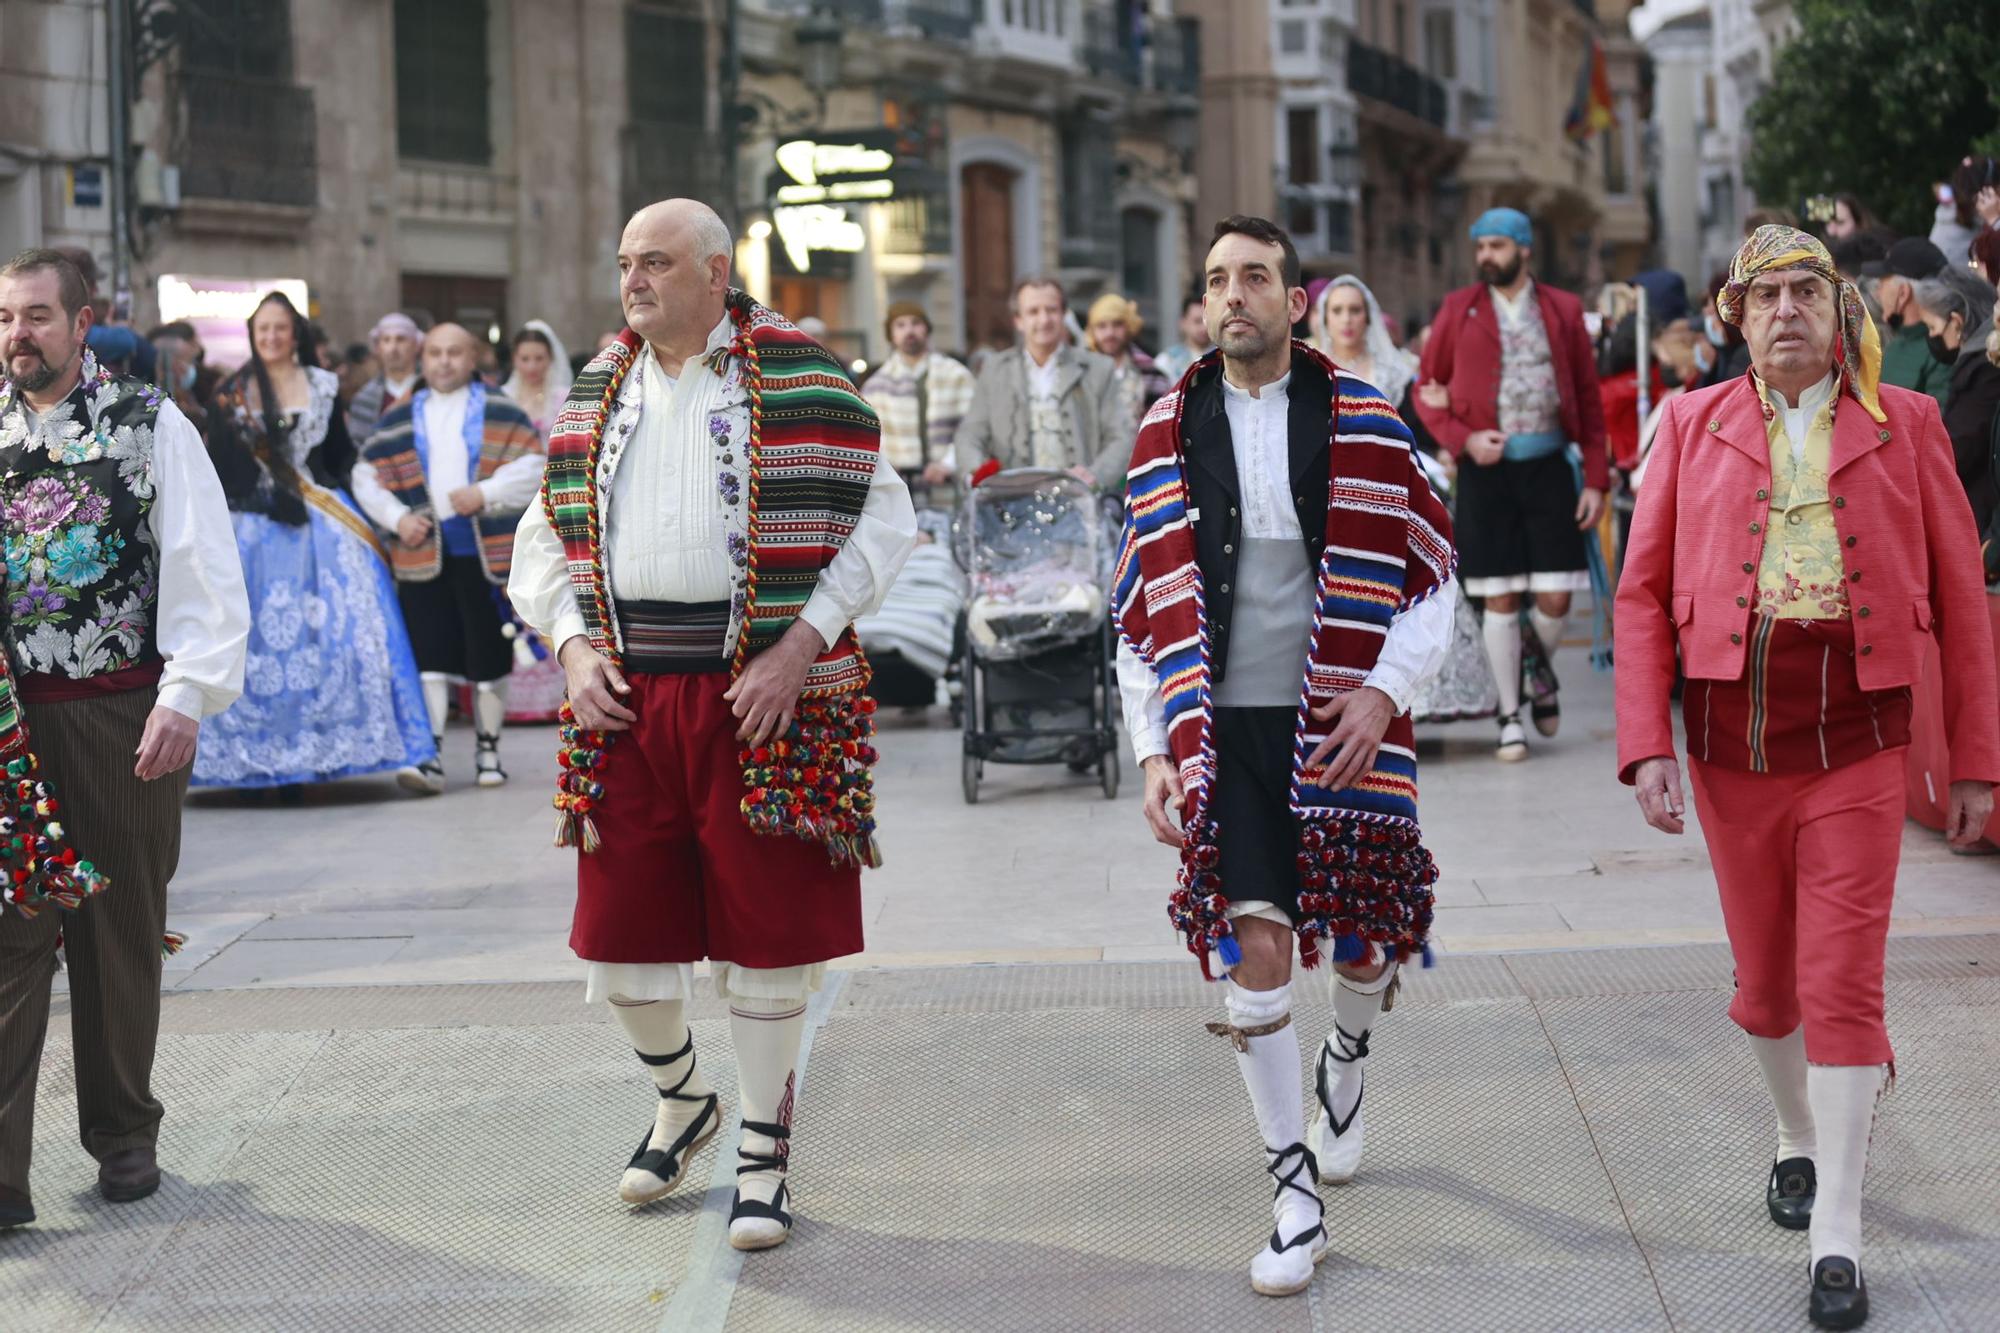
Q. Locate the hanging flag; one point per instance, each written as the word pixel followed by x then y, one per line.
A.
pixel 1591 110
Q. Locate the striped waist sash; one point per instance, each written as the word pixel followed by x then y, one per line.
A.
pixel 675 638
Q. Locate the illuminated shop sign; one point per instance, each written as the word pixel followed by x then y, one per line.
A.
pixel 815 183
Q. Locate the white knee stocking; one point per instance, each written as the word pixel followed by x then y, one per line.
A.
pixel 766 1033
pixel 1269 1063
pixel 1843 1101
pixel 1783 1060
pixel 659 1033
pixel 437 701
pixel 1502 632
pixel 1548 628
pixel 489 707
pixel 1338 1079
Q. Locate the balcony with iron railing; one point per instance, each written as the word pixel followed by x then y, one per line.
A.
pixel 1042 32
pixel 450 190
pixel 1375 73
pixel 252 141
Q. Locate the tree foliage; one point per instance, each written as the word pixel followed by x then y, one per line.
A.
pixel 1879 97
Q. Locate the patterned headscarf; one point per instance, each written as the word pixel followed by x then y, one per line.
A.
pixel 1771 249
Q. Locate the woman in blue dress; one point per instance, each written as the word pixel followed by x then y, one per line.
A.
pixel 330 687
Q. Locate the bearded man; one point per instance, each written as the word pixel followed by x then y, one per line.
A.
pixel 1801 535
pixel 127 625
pixel 715 514
pixel 1284 588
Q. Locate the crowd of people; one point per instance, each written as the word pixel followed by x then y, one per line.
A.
pixel 1330 535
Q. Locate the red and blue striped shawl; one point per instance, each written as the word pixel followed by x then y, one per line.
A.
pixel 1365 876
pixel 812 449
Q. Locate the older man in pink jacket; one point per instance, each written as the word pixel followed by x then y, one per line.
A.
pixel 1800 535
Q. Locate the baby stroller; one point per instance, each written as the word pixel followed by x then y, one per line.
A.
pixel 1036 661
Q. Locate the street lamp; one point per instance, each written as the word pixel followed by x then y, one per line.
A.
pixel 818 37
pixel 1344 161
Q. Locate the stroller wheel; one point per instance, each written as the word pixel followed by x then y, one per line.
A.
pixel 1107 774
pixel 969 773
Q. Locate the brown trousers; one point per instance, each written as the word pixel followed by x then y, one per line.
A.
pixel 132 830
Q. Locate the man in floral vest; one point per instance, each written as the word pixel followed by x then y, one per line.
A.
pixel 715 514
pixel 126 624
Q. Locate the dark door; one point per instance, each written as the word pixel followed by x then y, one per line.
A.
pixel 480 304
pixel 986 193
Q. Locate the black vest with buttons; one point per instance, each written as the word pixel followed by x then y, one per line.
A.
pixel 1215 501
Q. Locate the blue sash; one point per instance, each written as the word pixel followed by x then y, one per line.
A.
pixel 460 538
pixel 1539 444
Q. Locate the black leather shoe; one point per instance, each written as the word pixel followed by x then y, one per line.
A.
pixel 128 1175
pixel 16 1208
pixel 1839 1296
pixel 1789 1196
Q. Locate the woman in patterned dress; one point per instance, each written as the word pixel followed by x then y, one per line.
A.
pixel 330 687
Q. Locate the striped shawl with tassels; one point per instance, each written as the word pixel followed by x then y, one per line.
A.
pixel 812 448
pixel 1365 876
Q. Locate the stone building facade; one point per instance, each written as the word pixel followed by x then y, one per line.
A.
pixel 475 159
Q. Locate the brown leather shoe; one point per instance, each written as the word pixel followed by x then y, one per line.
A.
pixel 128 1175
pixel 16 1208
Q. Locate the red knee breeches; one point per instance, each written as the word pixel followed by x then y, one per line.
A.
pixel 1806 866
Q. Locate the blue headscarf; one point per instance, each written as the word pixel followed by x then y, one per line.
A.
pixel 1510 223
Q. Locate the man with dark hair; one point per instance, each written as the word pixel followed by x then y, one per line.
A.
pixel 128 624
pixel 1907 362
pixel 1284 546
pixel 1043 402
pixel 921 396
pixel 1516 360
pixel 1193 346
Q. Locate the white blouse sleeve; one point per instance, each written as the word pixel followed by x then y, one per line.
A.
pixel 539 586
pixel 859 577
pixel 1415 646
pixel 514 485
pixel 1145 707
pixel 203 625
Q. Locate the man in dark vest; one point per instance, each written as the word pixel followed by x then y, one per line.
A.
pixel 446 477
pixel 1284 587
pixel 126 624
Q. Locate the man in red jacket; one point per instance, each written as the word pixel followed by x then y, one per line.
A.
pixel 1800 538
pixel 1516 361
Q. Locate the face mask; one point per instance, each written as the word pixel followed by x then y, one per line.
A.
pixel 1939 350
pixel 1704 358
pixel 186 377
pixel 1712 326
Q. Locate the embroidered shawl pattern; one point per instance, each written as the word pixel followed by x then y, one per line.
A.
pixel 812 451
pixel 1365 875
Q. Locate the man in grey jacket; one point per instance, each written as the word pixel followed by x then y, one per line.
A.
pixel 1045 403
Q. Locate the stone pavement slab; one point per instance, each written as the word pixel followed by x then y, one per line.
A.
pixel 1567 1140
pixel 364 885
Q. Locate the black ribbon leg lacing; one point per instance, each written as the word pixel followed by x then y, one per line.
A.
pixel 758 1161
pixel 665 1162
pixel 1351 1050
pixel 1286 1166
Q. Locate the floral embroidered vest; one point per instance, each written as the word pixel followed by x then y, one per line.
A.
pixel 83 576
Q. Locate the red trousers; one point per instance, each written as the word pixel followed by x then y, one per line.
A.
pixel 679 876
pixel 1806 865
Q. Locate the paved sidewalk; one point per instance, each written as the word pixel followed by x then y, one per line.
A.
pixel 1558 1141
pixel 363 886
